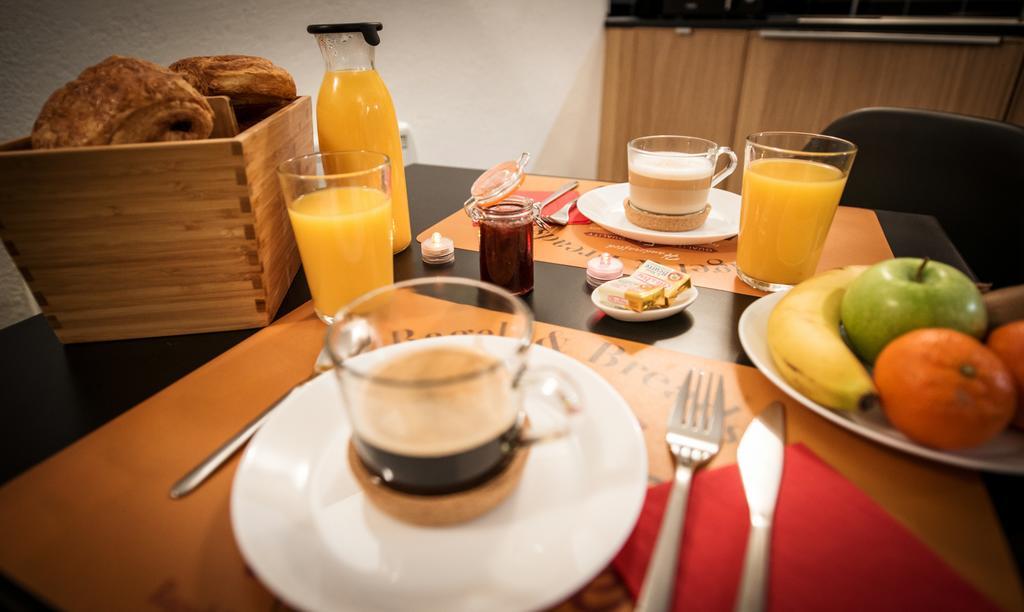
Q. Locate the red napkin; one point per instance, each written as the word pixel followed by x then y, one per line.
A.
pixel 575 216
pixel 833 548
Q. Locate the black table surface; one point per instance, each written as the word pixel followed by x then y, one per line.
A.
pixel 54 394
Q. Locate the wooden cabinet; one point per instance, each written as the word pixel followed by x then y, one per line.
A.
pixel 664 81
pixel 1016 112
pixel 726 84
pixel 804 84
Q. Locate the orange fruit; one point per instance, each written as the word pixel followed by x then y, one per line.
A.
pixel 944 389
pixel 1007 341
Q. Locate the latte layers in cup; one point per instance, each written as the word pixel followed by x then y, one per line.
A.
pixel 669 183
pixel 437 420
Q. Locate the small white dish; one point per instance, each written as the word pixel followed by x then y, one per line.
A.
pixel 308 532
pixel 679 304
pixel 604 207
pixel 1004 453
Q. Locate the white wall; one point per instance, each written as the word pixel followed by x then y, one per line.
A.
pixel 478 82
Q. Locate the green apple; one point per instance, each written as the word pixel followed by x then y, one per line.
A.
pixel 899 295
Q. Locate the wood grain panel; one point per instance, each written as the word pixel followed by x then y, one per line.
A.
pixel 265 146
pixel 658 81
pixel 59 299
pixel 213 319
pixel 803 85
pixel 1015 113
pixel 617 97
pixel 140 276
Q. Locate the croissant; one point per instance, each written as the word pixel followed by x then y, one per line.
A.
pixel 244 78
pixel 122 100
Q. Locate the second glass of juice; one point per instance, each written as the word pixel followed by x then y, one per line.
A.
pixel 791 189
pixel 340 210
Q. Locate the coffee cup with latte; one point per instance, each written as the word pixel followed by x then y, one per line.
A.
pixel 670 179
pixel 434 378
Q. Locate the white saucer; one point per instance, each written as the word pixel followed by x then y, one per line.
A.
pixel 679 304
pixel 604 207
pixel 310 535
pixel 1004 453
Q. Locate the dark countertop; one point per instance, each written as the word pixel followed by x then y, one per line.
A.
pixel 965 26
pixel 56 393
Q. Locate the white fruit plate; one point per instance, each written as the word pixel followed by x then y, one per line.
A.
pixel 1004 453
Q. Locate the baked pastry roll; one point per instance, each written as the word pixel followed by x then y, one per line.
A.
pixel 122 100
pixel 247 80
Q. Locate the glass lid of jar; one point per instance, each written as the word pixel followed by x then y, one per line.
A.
pixel 497 183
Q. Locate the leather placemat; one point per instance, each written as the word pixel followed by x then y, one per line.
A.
pixel 93 527
pixel 856 237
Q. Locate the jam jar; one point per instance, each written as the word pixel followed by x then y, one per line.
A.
pixel 506 225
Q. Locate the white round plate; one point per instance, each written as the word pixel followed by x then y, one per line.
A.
pixel 604 207
pixel 306 529
pixel 679 304
pixel 1004 453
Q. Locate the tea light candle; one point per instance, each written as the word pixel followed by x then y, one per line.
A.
pixel 438 249
pixel 602 269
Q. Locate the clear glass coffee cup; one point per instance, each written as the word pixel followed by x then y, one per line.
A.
pixel 435 379
pixel 673 175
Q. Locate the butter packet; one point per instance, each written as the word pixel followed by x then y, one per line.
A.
pixel 651 286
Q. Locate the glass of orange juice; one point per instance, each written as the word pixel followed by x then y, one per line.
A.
pixel 791 188
pixel 339 205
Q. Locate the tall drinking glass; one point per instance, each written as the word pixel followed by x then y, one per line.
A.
pixel 791 188
pixel 340 209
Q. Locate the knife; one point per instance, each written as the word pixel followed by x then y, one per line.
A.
pixel 561 191
pixel 760 460
pixel 198 475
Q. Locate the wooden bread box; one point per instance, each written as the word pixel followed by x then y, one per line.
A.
pixel 155 239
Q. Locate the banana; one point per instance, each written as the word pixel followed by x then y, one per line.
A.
pixel 807 348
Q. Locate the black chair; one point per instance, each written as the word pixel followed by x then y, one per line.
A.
pixel 967 172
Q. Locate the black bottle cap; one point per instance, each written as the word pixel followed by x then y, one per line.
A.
pixel 368 29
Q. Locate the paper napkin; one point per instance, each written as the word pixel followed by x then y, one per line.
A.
pixel 833 548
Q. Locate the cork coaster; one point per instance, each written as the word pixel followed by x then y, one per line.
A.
pixel 665 223
pixel 439 510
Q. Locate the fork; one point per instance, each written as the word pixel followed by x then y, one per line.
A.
pixel 560 216
pixel 693 437
pixel 544 221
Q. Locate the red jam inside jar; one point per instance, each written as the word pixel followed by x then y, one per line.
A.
pixel 506 226
pixel 506 244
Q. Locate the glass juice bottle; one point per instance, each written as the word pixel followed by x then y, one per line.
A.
pixel 354 110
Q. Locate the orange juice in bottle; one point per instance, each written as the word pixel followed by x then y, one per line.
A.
pixel 354 109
